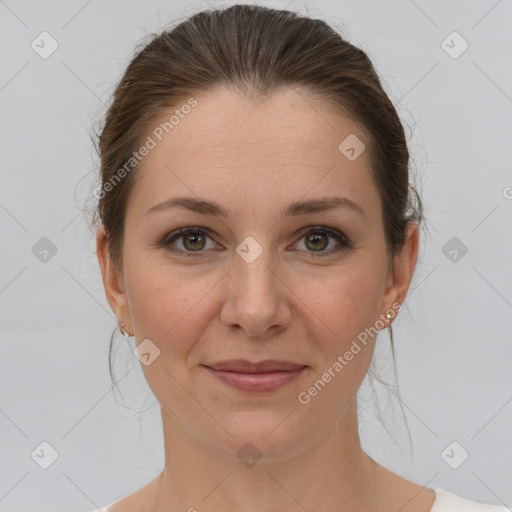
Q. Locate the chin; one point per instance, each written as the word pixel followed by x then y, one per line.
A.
pixel 259 435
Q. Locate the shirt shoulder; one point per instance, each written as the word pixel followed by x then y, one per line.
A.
pixel 447 501
pixel 105 508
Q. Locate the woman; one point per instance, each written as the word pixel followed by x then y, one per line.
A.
pixel 257 230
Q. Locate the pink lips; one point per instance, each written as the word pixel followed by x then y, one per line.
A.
pixel 263 376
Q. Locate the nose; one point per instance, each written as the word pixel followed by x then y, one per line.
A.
pixel 256 297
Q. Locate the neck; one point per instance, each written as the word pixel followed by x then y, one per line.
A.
pixel 330 475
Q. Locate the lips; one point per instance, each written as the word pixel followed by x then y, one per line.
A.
pixel 265 366
pixel 255 377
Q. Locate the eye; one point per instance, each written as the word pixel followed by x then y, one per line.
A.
pixel 317 239
pixel 194 241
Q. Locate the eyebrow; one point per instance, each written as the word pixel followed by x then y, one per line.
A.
pixel 296 208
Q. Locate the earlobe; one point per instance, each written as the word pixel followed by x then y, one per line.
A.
pixel 114 291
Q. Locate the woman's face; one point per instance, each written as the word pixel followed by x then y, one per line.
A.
pixel 255 284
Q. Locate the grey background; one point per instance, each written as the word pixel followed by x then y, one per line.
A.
pixel 453 339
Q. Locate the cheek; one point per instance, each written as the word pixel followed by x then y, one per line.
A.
pixel 167 304
pixel 165 309
pixel 340 313
pixel 344 308
pixel 345 302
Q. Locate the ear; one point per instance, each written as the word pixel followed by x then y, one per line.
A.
pixel 112 281
pixel 400 277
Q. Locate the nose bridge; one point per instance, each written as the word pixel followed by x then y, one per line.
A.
pixel 254 295
pixel 252 274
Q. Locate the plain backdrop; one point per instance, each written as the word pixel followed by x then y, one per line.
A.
pixel 453 341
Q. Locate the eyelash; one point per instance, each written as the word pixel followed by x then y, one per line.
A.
pixel 343 241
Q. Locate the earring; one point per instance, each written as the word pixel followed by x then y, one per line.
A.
pixel 125 334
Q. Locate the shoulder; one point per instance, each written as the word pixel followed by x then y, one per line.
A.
pixel 396 490
pixel 138 501
pixel 105 508
pixel 447 501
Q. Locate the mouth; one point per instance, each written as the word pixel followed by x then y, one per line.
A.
pixel 265 376
pixel 245 366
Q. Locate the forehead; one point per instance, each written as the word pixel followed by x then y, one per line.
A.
pixel 241 151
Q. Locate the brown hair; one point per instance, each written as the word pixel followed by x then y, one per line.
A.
pixel 255 50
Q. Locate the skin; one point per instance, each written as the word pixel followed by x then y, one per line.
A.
pixel 254 157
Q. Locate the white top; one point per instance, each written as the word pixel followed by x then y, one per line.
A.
pixel 445 502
